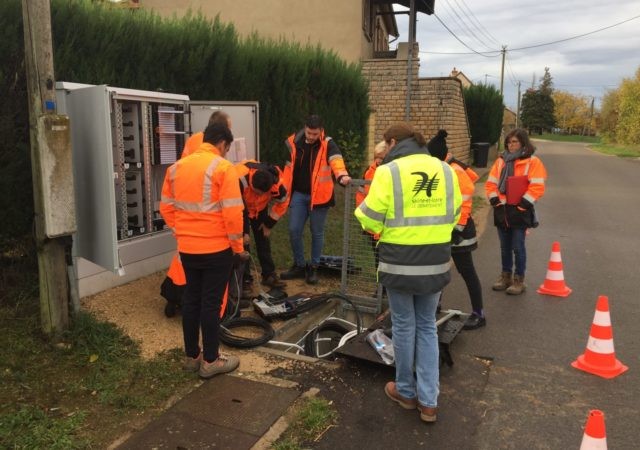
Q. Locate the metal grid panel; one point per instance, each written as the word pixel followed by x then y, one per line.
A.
pixel 359 279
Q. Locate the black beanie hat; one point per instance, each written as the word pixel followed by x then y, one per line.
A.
pixel 438 145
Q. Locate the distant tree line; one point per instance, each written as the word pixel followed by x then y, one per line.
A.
pixel 620 112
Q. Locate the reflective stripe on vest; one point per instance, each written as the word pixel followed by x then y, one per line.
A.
pixel 466 242
pixel 398 202
pixel 206 205
pixel 398 269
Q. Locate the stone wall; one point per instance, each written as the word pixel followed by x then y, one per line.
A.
pixel 435 103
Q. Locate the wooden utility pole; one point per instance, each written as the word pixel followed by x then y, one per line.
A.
pixel 518 107
pixel 51 169
pixel 412 40
pixel 504 53
pixel 593 99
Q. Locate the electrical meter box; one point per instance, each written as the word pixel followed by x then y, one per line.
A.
pixel 123 141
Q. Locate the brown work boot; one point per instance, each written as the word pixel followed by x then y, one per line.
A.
pixel 293 273
pixel 503 282
pixel 518 286
pixel 392 393
pixel 427 414
pixel 273 281
pixel 312 275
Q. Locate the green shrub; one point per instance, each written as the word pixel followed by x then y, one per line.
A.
pixel 485 110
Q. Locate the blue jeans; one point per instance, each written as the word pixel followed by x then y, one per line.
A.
pixel 512 244
pixel 299 212
pixel 415 338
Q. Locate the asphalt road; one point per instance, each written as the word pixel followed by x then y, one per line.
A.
pixel 512 386
pixel 534 398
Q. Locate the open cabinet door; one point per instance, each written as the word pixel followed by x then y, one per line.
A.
pixel 89 113
pixel 244 125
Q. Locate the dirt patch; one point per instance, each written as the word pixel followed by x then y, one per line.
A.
pixel 138 309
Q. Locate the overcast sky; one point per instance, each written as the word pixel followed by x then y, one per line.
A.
pixel 588 65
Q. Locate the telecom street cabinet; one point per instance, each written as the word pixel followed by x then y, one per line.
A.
pixel 122 141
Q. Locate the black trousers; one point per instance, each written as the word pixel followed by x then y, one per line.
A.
pixel 464 263
pixel 263 249
pixel 207 277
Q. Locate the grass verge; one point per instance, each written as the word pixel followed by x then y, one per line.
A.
pixel 567 138
pixel 623 151
pixel 310 420
pixel 77 392
pixel 281 248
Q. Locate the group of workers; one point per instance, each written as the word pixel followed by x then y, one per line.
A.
pixel 212 206
pixel 416 211
pixel 418 206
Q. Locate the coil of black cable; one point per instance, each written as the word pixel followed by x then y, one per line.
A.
pixel 233 340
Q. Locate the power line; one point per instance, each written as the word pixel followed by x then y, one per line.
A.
pixel 464 24
pixel 526 47
pixel 458 39
pixel 577 36
pixel 479 26
pixel 463 53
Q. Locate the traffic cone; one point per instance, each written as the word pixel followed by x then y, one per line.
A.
pixel 595 435
pixel 599 358
pixel 554 281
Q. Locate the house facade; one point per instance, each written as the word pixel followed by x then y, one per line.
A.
pixel 354 30
pixel 358 32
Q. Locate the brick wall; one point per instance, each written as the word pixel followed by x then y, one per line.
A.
pixel 435 103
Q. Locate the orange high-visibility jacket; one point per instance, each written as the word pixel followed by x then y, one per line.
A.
pixel 275 200
pixel 321 175
pixel 176 271
pixel 466 178
pixel 192 144
pixel 464 237
pixel 531 166
pixel 362 191
pixel 201 202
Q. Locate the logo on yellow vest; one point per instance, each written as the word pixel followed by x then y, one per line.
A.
pixel 425 184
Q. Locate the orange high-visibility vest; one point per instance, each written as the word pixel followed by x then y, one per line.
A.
pixel 362 191
pixel 176 271
pixel 324 165
pixel 275 199
pixel 201 202
pixel 530 166
pixel 466 179
pixel 192 144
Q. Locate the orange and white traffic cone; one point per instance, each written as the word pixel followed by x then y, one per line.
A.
pixel 554 281
pixel 595 435
pixel 599 358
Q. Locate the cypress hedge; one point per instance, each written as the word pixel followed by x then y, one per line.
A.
pixel 193 55
pixel 485 110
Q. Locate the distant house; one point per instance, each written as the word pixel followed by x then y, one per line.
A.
pixel 357 31
pixel 354 30
pixel 509 121
pixel 466 82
